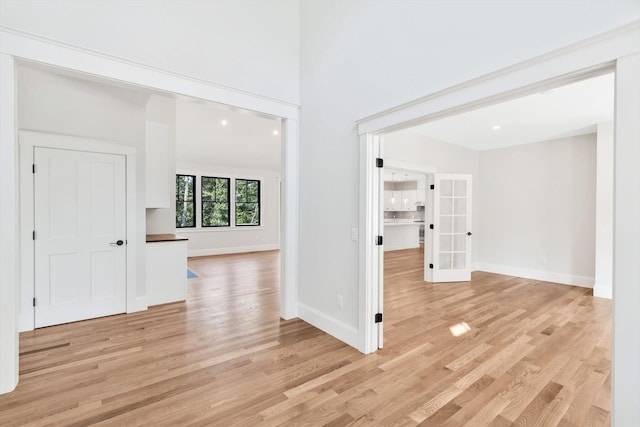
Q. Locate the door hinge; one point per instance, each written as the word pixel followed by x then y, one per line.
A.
pixel 33 168
pixel 432 186
pixel 379 240
pixel 431 226
pixel 34 234
pixel 431 266
pixel 34 301
pixel 379 162
pixel 378 317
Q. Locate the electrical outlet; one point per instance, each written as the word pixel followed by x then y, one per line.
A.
pixel 354 234
pixel 339 301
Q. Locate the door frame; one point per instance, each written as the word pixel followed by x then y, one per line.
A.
pixel 28 141
pixel 22 47
pixel 616 50
pixel 429 172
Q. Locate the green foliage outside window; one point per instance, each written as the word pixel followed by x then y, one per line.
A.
pixel 247 202
pixel 185 201
pixel 215 201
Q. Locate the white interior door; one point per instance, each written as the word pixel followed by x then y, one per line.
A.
pixel 452 228
pixel 80 235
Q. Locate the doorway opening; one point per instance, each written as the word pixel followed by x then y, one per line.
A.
pixel 118 112
pixel 569 159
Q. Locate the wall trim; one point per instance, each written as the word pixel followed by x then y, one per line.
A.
pixel 231 250
pixel 544 276
pixel 587 58
pixel 603 291
pixel 14 39
pixel 328 324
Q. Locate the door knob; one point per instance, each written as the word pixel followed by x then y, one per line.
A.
pixel 468 233
pixel 118 243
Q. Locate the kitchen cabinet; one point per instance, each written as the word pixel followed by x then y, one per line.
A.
pixel 403 191
pixel 158 180
pixel 391 200
pixel 408 200
pixel 166 259
pixel 401 235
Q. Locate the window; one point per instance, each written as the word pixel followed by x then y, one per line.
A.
pixel 247 202
pixel 215 201
pixel 185 201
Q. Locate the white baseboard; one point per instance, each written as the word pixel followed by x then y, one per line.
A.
pixel 139 304
pixel 233 250
pixel 328 324
pixel 603 291
pixel 545 276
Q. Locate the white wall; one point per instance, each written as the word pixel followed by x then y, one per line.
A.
pixel 537 210
pixel 604 212
pixel 65 105
pixel 251 45
pixel 359 58
pixel 410 147
pixel 208 241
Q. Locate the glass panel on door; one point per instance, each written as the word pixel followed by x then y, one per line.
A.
pixel 453 213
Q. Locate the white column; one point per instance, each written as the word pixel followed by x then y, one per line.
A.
pixel 604 212
pixel 626 259
pixel 9 229
pixel 289 221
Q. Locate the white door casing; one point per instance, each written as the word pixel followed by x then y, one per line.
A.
pixel 452 228
pixel 80 235
pixel 379 189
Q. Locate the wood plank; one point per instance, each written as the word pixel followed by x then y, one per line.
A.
pixel 538 353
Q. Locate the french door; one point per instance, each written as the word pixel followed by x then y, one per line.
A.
pixel 452 228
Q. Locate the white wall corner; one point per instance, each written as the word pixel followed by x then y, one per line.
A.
pixel 9 230
pixel 625 387
pixel 340 330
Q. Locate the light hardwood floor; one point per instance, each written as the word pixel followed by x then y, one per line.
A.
pixel 536 354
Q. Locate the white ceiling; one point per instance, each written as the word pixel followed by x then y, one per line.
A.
pixel 569 110
pixel 245 142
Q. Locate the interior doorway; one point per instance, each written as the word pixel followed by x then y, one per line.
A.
pixel 449 244
pixel 285 215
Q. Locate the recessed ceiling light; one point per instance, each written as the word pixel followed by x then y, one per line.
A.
pixel 223 122
pixel 496 127
pixel 275 132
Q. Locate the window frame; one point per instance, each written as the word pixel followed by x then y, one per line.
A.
pixel 258 202
pixel 194 201
pixel 203 202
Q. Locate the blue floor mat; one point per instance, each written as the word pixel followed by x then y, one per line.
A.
pixel 191 274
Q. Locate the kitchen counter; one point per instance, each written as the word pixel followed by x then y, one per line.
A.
pixel 164 238
pixel 396 224
pixel 401 234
